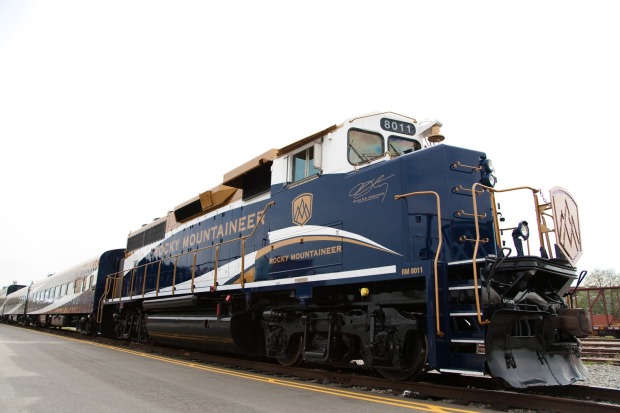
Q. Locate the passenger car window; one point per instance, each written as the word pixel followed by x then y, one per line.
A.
pixel 364 146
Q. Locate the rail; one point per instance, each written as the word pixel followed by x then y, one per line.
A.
pixel 113 280
pixel 436 260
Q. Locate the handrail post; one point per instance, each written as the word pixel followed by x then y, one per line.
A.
pixel 217 256
pixel 174 274
pixel 102 299
pixel 194 269
pixel 242 263
pixel 158 274
pixel 498 235
pixel 115 287
pixel 538 222
pixel 144 280
pixel 121 281
pixel 133 275
pixel 476 245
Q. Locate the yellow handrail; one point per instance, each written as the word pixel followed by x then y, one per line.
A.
pixel 144 280
pixel 193 270
pixel 476 244
pixel 174 273
pixel 118 276
pixel 110 280
pixel 436 260
pixel 133 277
pixel 157 282
pixel 217 257
pixel 100 306
pixel 492 192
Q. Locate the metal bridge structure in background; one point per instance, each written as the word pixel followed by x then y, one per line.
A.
pixel 603 306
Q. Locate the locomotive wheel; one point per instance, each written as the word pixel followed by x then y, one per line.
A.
pixel 413 355
pixel 294 352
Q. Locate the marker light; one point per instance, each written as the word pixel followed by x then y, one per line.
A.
pixel 364 292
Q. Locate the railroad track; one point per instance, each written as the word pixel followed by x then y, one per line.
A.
pixel 455 389
pixel 597 350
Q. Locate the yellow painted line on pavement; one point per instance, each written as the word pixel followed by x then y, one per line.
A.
pixel 408 404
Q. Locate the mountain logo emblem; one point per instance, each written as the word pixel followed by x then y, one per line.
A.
pixel 302 209
pixel 567 227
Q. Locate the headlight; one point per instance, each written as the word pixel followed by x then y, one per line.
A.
pixel 488 180
pixel 487 166
pixel 522 230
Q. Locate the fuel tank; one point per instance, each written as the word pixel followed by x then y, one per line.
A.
pixel 197 331
pixel 201 330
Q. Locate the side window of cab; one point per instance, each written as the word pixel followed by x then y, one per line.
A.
pixel 303 164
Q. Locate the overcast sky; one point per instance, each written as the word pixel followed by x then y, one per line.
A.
pixel 112 113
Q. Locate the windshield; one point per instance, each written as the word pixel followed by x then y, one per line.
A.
pixel 398 146
pixel 364 146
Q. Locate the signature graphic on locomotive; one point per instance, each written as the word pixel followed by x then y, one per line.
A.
pixel 302 209
pixel 370 190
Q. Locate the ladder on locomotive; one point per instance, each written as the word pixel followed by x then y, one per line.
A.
pixel 454 336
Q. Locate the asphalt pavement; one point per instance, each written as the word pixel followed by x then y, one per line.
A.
pixel 45 373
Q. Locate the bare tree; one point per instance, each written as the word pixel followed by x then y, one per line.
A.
pixel 602 278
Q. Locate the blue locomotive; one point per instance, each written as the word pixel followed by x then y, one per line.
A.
pixel 370 244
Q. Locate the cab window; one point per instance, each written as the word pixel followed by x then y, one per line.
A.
pixel 398 146
pixel 364 146
pixel 303 164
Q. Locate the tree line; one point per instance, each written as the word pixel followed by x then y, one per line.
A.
pixel 604 301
